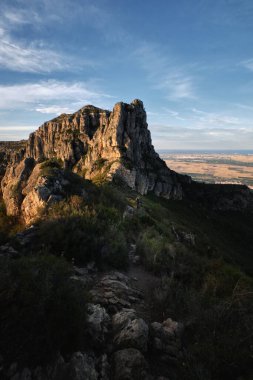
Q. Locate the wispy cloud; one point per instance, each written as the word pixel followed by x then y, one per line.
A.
pixel 31 55
pixel 244 106
pixel 17 56
pixel 40 96
pixel 248 64
pixel 13 17
pixel 215 119
pixel 176 137
pixel 165 74
pixel 178 86
pixel 41 13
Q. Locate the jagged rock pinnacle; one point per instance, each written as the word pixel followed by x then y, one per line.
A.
pixel 98 145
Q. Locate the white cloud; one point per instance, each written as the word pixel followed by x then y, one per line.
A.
pixel 40 96
pixel 53 110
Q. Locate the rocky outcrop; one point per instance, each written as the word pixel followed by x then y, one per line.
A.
pixel 114 292
pixel 99 143
pixel 120 343
pixel 96 144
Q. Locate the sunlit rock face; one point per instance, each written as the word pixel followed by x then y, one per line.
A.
pixel 98 145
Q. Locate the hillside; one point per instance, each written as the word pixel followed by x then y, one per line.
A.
pixel 115 267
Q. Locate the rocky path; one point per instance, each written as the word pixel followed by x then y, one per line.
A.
pixel 145 282
pixel 126 342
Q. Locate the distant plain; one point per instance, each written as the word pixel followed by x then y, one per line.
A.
pixel 213 167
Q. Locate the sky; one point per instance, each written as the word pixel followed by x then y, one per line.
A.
pixel 189 61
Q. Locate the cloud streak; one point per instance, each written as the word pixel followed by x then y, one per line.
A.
pixel 215 119
pixel 175 137
pixel 35 56
pixel 248 64
pixel 165 75
pixel 40 96
pixel 29 58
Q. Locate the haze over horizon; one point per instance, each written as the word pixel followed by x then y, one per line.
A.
pixel 190 62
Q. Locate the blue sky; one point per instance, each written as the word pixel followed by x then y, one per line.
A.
pixel 190 61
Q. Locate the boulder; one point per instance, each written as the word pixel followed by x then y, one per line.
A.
pixel 82 367
pixel 97 324
pixel 122 318
pixel 129 331
pixel 166 339
pixel 134 334
pixel 130 364
pixel 113 291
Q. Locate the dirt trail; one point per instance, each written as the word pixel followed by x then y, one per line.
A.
pixel 146 282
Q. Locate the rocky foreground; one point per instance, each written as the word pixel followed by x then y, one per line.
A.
pixel 125 343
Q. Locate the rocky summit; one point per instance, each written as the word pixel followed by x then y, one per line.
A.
pixel 97 145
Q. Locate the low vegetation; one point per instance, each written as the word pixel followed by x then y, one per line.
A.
pixel 9 225
pixel 42 310
pixel 203 257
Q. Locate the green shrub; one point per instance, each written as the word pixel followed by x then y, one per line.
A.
pixel 99 163
pixel 9 225
pixel 42 311
pixel 76 183
pixel 112 196
pixel 218 316
pixel 155 250
pixel 115 251
pixel 52 163
pixel 78 237
pixel 15 190
pixel 86 236
pixel 50 166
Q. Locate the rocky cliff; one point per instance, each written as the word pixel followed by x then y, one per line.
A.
pixel 97 145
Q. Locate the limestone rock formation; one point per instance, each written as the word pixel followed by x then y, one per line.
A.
pixel 96 144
